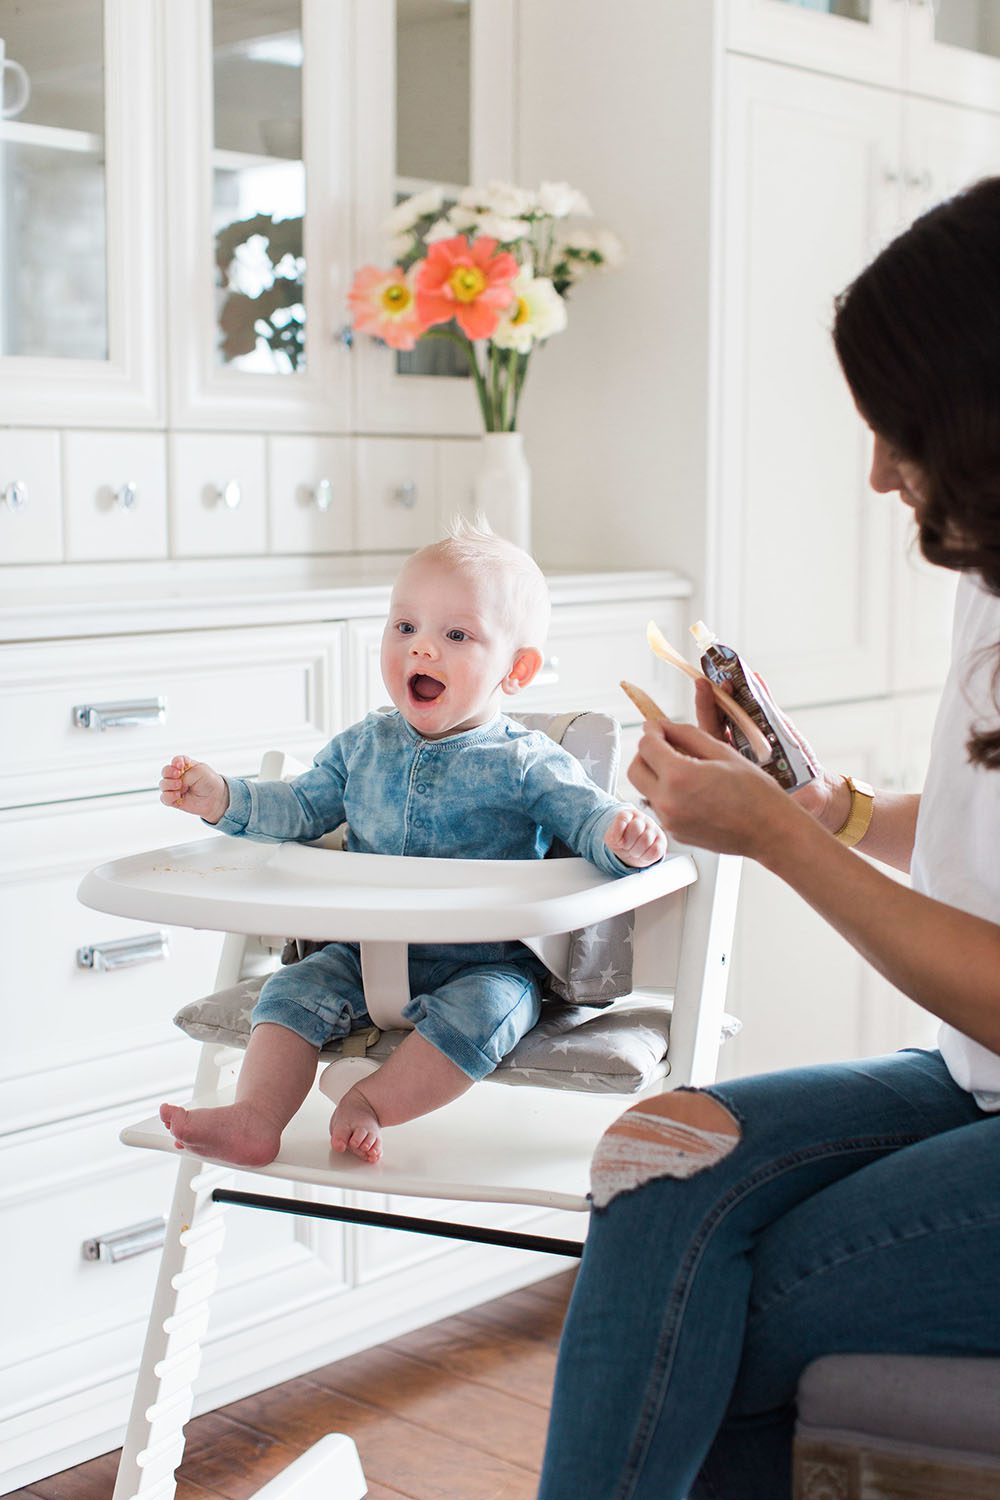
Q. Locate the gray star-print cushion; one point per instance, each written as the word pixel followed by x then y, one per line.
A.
pixel 618 1051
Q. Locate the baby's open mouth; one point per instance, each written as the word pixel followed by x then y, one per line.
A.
pixel 425 689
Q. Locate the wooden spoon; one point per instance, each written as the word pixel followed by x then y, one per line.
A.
pixel 662 648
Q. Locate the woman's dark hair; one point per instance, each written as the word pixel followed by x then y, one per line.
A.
pixel 918 339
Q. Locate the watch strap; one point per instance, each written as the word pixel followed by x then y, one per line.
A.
pixel 859 818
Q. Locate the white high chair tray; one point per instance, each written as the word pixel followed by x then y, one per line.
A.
pixel 235 885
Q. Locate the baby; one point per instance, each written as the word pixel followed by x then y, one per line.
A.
pixel 443 774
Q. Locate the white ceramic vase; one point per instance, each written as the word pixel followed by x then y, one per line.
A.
pixel 502 488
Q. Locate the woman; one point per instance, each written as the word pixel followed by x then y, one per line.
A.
pixel 748 1228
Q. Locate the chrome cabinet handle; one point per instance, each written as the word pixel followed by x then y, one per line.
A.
pixel 922 180
pixel 322 494
pixel 548 672
pixel 127 495
pixel 120 715
pixel 344 336
pixel 406 494
pixel 229 494
pixel 124 953
pixel 123 1244
pixel 15 494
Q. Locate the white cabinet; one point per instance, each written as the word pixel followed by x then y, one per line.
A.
pixel 81 316
pixel 945 49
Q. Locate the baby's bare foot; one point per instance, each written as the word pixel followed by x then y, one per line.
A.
pixel 354 1126
pixel 236 1133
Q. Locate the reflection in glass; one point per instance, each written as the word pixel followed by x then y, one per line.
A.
pixel 433 63
pixel 53 237
pixel 850 10
pixel 968 24
pixel 258 186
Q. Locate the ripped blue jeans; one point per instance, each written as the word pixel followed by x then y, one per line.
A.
pixel 853 1207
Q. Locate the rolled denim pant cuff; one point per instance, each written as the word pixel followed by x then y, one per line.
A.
pixel 457 1048
pixel 305 1023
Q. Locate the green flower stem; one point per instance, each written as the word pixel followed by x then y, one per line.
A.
pixel 519 375
pixel 467 345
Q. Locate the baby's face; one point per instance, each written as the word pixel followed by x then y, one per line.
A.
pixel 446 651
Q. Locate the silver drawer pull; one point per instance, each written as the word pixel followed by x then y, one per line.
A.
pixel 322 493
pixel 406 494
pixel 15 494
pixel 124 953
pixel 122 1244
pixel 120 715
pixel 548 673
pixel 127 495
pixel 229 494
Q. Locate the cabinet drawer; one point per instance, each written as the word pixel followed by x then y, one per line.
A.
pixel 218 494
pixel 311 494
pixel 116 495
pixel 397 506
pixel 79 1036
pixel 226 694
pixel 30 497
pixel 591 648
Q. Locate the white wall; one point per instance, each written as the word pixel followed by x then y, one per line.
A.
pixel 613 99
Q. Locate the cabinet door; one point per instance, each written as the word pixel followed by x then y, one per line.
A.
pixel 258 121
pixel 801 574
pixel 802 992
pixel 80 226
pixel 460 57
pixel 953 50
pixel 860 39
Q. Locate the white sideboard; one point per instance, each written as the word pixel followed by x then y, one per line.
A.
pixel 234 664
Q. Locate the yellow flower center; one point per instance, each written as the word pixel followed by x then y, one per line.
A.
pixel 520 313
pixel 396 298
pixel 466 282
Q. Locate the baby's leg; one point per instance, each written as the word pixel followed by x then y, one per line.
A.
pixel 276 1075
pixel 464 1026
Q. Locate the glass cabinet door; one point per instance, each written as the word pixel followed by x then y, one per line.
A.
pixel 438 116
pixel 954 51
pixel 859 39
pixel 78 217
pixel 257 183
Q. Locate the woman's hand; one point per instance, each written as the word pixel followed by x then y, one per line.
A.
pixel 636 839
pixel 194 787
pixel 826 798
pixel 706 793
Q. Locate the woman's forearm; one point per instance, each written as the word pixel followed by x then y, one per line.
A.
pixel 891 831
pixel 944 959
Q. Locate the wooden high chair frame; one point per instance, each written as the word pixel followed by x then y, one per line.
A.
pixel 478 1148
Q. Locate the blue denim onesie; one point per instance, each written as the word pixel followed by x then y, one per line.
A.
pixel 496 792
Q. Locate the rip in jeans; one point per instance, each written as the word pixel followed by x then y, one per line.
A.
pixel 671 1135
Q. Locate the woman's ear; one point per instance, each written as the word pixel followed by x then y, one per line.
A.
pixel 524 669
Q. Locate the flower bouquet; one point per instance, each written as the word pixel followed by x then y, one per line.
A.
pixel 491 272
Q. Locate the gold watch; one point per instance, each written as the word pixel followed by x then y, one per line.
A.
pixel 853 830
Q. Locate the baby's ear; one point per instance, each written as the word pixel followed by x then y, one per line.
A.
pixel 524 669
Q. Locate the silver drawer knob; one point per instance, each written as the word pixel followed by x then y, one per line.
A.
pixel 229 494
pixel 406 493
pixel 15 494
pixel 127 495
pixel 119 715
pixel 322 493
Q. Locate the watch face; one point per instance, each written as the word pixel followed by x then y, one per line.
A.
pixel 863 787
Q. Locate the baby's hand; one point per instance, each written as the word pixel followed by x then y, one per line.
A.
pixel 193 787
pixel 636 838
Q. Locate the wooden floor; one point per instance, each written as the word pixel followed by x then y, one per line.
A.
pixel 455 1411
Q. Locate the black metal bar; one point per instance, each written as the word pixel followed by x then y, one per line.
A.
pixel 306 1209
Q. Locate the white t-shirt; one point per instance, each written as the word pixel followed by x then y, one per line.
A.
pixel 956 853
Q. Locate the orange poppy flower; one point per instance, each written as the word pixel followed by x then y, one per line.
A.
pixel 384 304
pixel 466 280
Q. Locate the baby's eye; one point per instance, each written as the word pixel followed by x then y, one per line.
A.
pixel 405 628
pixel 456 635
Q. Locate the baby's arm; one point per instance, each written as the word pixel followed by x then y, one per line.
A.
pixel 194 787
pixel 636 838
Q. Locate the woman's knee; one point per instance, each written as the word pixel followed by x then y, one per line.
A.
pixel 677 1134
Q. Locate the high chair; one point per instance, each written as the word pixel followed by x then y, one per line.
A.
pixel 573 1068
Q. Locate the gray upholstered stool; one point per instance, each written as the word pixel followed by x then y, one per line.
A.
pixel 898 1427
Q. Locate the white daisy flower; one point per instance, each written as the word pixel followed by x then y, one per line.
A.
pixel 560 200
pixel 536 313
pixel 406 214
pixel 504 230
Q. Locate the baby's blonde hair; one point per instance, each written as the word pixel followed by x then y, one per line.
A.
pixel 474 547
